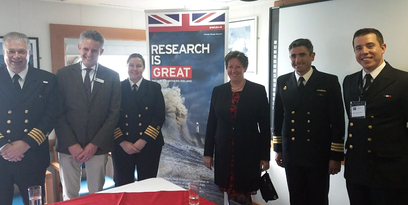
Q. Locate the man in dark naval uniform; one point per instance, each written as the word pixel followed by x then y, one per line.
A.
pixel 28 112
pixel 308 127
pixel 376 100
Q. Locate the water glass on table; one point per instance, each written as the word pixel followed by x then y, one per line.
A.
pixel 193 192
pixel 34 195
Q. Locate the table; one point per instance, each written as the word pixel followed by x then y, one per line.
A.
pixel 154 191
pixel 147 185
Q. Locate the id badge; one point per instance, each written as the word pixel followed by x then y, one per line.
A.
pixel 358 109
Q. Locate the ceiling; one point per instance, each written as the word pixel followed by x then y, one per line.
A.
pixel 161 4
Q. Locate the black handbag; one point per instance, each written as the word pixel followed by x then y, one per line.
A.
pixel 267 189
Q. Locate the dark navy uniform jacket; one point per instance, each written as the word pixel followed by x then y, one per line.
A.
pixel 143 117
pixel 377 145
pixel 28 115
pixel 309 125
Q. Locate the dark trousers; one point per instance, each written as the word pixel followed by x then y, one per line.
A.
pixel 146 163
pixel 308 185
pixel 23 179
pixel 366 195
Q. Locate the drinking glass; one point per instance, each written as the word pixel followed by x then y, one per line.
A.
pixel 34 195
pixel 193 192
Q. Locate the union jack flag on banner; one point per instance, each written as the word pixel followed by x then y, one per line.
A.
pixel 195 21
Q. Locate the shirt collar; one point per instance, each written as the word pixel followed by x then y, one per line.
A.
pixel 137 83
pixel 375 72
pixel 306 76
pixel 83 67
pixel 22 74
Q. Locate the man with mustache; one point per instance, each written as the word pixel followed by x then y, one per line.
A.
pixel 308 127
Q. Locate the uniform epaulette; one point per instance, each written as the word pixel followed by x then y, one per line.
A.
pixel 277 139
pixel 37 135
pixel 118 133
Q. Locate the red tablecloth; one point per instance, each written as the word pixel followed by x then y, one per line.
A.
pixel 143 198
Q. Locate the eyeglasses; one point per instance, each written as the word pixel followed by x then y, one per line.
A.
pixel 17 52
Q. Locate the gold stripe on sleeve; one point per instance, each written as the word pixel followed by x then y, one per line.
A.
pixel 118 133
pixel 152 132
pixel 37 135
pixel 337 147
pixel 277 139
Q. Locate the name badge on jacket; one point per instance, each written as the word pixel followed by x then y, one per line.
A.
pixel 358 109
pixel 99 80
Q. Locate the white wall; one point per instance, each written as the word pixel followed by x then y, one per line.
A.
pixel 330 26
pixel 261 10
pixel 338 193
pixel 33 18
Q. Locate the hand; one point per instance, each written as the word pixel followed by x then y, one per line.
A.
pixel 88 153
pixel 14 152
pixel 129 147
pixel 17 159
pixel 140 144
pixel 264 165
pixel 75 151
pixel 208 161
pixel 3 151
pixel 279 159
pixel 334 167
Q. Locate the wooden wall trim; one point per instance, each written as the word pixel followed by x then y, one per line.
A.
pixel 292 2
pixel 58 32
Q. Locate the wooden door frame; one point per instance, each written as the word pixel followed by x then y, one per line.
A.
pixel 58 33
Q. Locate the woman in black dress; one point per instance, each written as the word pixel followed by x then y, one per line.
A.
pixel 238 132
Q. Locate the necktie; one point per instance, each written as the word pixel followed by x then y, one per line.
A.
pixel 134 88
pixel 87 83
pixel 16 77
pixel 301 85
pixel 367 81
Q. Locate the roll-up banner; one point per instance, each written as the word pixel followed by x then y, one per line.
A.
pixel 186 56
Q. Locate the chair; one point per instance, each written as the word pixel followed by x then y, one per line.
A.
pixel 49 188
pixel 109 183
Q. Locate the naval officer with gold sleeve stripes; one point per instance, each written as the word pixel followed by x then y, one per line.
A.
pixel 308 127
pixel 138 139
pixel 28 112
